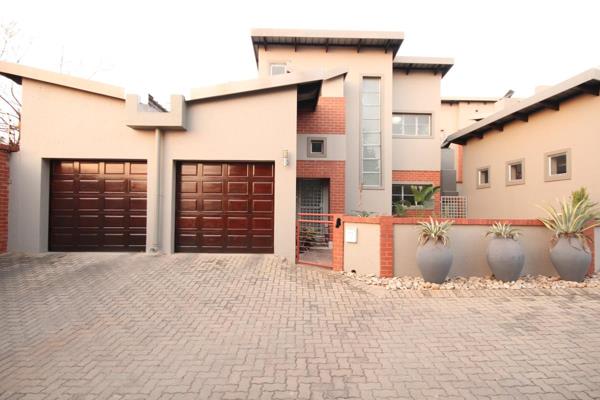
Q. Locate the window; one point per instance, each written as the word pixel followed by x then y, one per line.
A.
pixel 371 133
pixel 402 192
pixel 316 147
pixel 278 69
pixel 483 177
pixel 515 172
pixel 411 124
pixel 558 165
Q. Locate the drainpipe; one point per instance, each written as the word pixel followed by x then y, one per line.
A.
pixel 158 138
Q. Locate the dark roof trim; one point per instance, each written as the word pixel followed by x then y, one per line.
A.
pixel 587 82
pixel 434 64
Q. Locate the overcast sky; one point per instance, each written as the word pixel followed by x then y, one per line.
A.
pixel 165 47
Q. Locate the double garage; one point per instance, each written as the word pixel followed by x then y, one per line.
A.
pixel 220 207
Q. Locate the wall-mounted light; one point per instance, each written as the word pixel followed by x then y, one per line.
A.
pixel 285 158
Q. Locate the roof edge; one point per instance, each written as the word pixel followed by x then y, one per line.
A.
pixel 524 106
pixel 265 83
pixel 18 72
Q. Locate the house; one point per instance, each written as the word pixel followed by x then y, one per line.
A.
pixel 534 151
pixel 336 121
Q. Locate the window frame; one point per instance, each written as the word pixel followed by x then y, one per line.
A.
pixel 478 177
pixel 415 113
pixel 509 164
pixel 431 206
pixel 364 186
pixel 277 64
pixel 310 153
pixel 548 177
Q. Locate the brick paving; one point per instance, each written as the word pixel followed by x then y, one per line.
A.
pixel 135 326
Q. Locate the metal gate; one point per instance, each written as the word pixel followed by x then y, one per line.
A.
pixel 314 239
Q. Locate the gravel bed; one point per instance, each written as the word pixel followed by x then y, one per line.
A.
pixel 488 282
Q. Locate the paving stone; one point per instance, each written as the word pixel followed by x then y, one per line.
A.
pixel 137 326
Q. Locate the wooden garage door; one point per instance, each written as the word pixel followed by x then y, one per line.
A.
pixel 97 205
pixel 225 207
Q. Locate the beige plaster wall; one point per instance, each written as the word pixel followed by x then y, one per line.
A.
pixel 367 62
pixel 469 246
pixel 417 92
pixel 66 123
pixel 363 256
pixel 335 146
pixel 575 126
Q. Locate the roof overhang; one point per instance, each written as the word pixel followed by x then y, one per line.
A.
pixel 435 64
pixel 469 99
pixel 17 72
pixel 587 82
pixel 265 38
pixel 308 84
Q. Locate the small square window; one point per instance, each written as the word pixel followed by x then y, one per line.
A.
pixel 483 177
pixel 316 147
pixel 515 173
pixel 558 165
pixel 278 69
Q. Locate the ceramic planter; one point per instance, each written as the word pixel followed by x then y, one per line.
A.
pixel 505 258
pixel 570 259
pixel 434 260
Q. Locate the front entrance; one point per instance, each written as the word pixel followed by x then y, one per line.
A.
pixel 314 224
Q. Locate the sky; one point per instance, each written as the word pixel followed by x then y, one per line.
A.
pixel 164 47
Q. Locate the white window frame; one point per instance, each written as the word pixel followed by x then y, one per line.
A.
pixel 310 153
pixel 416 133
pixel 430 206
pixel 548 176
pixel 478 177
pixel 284 65
pixel 509 178
pixel 378 146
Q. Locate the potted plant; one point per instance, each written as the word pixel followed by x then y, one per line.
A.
pixel 504 253
pixel 569 250
pixel 434 257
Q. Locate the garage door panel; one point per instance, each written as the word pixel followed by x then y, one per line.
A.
pixel 212 204
pixel 238 205
pixel 262 188
pixel 186 222
pixel 228 197
pixel 92 207
pixel 115 185
pixel 212 187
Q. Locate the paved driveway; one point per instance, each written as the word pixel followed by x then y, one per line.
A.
pixel 199 326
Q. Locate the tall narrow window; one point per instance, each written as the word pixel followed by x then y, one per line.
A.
pixel 371 132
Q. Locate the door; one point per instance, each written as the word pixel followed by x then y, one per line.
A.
pixel 225 207
pixel 97 205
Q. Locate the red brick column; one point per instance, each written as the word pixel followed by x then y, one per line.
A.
pixel 4 180
pixel 338 243
pixel 386 247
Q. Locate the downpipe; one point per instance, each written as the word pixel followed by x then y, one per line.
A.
pixel 158 142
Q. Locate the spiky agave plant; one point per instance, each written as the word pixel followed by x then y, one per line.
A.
pixel 435 231
pixel 504 231
pixel 571 220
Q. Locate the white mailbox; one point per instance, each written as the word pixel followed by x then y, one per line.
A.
pixel 350 234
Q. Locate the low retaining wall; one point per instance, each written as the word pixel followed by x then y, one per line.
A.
pixel 387 246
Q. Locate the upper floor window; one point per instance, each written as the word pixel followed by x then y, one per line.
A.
pixel 278 69
pixel 411 124
pixel 316 147
pixel 515 172
pixel 370 127
pixel 558 165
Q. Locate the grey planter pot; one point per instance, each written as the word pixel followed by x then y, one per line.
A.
pixel 570 259
pixel 434 261
pixel 505 258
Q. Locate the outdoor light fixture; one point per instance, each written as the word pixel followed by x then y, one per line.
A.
pixel 285 158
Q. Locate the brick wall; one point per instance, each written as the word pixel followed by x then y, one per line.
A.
pixel 327 169
pixel 426 177
pixel 329 117
pixel 4 180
